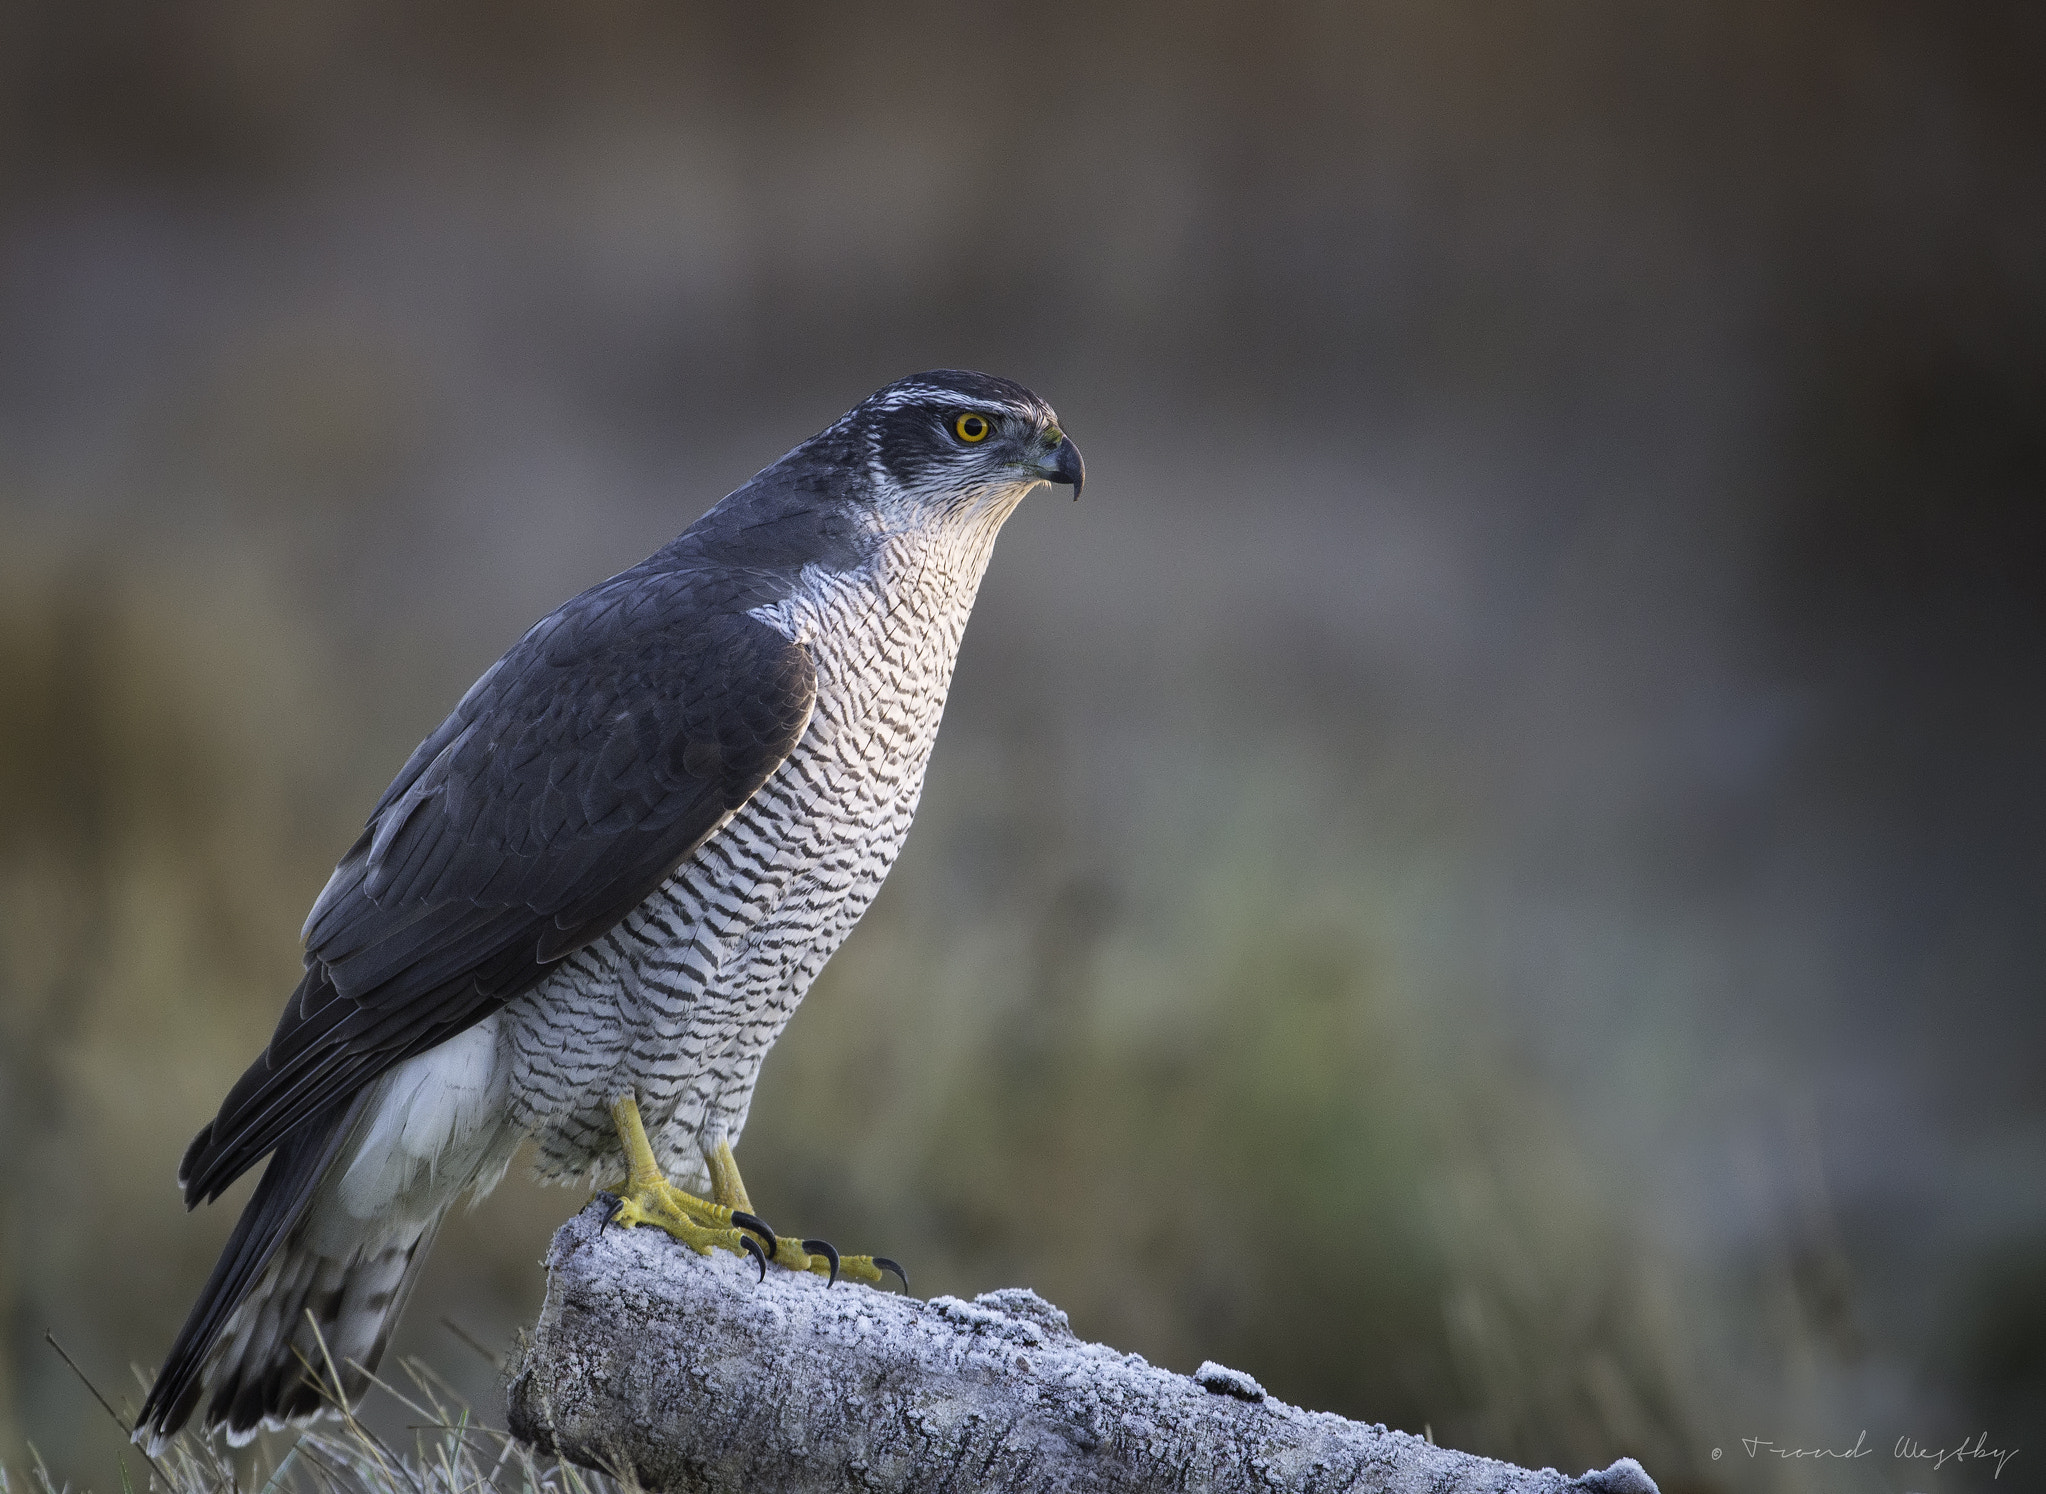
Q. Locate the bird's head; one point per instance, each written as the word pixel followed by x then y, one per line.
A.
pixel 956 445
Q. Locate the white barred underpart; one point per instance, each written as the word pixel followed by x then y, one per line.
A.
pixel 681 1001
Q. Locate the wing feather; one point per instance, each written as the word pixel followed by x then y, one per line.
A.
pixel 570 781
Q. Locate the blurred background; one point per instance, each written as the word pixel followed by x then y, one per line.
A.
pixel 1489 874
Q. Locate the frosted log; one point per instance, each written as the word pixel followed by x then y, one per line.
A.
pixel 684 1373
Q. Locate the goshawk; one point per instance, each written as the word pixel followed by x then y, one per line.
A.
pixel 590 901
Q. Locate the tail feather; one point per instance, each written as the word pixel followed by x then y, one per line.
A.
pixel 324 1256
pixel 276 1207
pixel 315 1320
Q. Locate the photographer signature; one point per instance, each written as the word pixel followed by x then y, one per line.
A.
pixel 1907 1450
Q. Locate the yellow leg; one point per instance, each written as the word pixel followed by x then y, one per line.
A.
pixel 728 1189
pixel 726 1186
pixel 649 1198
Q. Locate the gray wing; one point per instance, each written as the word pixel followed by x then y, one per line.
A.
pixel 600 752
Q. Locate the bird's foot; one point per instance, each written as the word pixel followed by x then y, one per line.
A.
pixel 823 1258
pixel 705 1227
pixel 701 1225
pixel 648 1198
pixel 820 1256
pixel 725 1221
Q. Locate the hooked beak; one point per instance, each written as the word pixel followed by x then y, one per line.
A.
pixel 1062 464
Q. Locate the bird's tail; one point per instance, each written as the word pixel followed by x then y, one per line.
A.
pixel 322 1259
pixel 293 1305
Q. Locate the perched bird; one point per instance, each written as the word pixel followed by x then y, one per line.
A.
pixel 590 901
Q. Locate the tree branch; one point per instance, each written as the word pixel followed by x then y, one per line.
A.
pixel 689 1375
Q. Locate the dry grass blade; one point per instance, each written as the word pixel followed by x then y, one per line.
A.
pixel 127 1428
pixel 453 1453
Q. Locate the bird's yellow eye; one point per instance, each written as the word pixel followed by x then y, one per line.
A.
pixel 971 428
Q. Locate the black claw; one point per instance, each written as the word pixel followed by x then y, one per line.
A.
pixel 753 1249
pixel 829 1251
pixel 611 1213
pixel 755 1223
pixel 883 1263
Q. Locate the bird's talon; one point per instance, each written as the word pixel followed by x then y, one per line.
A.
pixel 754 1222
pixel 753 1249
pixel 829 1251
pixel 886 1264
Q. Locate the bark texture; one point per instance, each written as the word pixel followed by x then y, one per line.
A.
pixel 685 1373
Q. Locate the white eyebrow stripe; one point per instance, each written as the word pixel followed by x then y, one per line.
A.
pixel 916 394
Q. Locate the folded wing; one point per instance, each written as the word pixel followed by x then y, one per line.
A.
pixel 600 752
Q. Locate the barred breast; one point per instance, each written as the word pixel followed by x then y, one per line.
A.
pixel 681 1001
